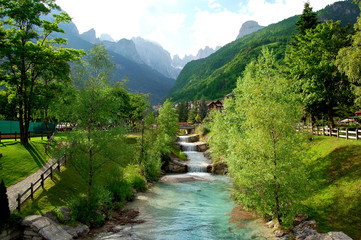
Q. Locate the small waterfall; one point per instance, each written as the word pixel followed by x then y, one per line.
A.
pixel 197 162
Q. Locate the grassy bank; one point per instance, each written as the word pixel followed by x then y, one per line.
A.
pixel 20 161
pixel 336 177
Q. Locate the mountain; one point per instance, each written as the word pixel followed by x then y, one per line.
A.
pixel 89 36
pixel 202 53
pixel 125 48
pixel 140 77
pixel 215 76
pixel 106 37
pixel 248 28
pixel 156 57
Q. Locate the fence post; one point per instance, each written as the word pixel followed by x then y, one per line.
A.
pixel 356 134
pixel 42 133
pixel 18 199
pixel 0 137
pixel 15 136
pixel 323 131
pixel 330 131
pixel 29 135
pixel 32 191
pixel 42 180
pixel 346 133
pixel 51 172
pixel 317 131
pixel 338 133
pixel 59 165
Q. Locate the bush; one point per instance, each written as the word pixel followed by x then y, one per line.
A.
pixel 203 129
pixel 135 179
pixel 95 213
pixel 151 166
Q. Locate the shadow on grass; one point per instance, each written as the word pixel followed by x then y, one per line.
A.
pixel 336 200
pixel 59 191
pixel 35 154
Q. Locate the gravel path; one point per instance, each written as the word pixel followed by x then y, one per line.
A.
pixel 21 186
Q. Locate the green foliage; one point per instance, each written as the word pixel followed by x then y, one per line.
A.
pixel 4 205
pixel 29 55
pixel 182 111
pixel 349 61
pixel 215 76
pixel 308 19
pixel 192 116
pixel 267 166
pixel 311 61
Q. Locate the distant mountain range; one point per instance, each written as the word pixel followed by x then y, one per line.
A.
pixel 147 67
pixel 215 76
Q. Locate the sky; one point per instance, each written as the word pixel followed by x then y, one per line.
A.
pixel 180 26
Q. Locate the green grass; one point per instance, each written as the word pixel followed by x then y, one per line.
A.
pixel 67 185
pixel 20 161
pixel 336 175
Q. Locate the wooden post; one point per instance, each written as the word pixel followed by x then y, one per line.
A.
pixel 15 136
pixel 59 165
pixel 330 131
pixel 29 135
pixel 42 133
pixel 356 134
pixel 323 131
pixel 42 180
pixel 18 199
pixel 338 133
pixel 346 133
pixel 32 191
pixel 0 137
pixel 51 172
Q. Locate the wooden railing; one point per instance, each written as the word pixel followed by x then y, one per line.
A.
pixel 336 132
pixel 29 192
pixel 16 135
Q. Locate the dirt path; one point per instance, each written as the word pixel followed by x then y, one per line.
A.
pixel 21 186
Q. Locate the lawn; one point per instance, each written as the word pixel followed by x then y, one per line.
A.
pixel 336 179
pixel 19 161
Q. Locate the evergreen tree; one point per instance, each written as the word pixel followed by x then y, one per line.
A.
pixel 4 205
pixel 203 109
pixel 308 19
pixel 311 62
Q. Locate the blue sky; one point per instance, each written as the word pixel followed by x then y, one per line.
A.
pixel 180 26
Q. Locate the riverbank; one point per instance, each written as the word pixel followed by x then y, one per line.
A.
pixel 200 209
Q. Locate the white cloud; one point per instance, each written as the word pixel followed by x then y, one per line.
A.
pixel 163 22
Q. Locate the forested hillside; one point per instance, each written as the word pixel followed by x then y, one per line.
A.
pixel 213 77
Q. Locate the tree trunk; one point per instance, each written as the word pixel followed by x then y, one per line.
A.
pixel 330 117
pixel 312 120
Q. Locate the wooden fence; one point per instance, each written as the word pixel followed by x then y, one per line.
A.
pixel 16 135
pixel 336 132
pixel 29 192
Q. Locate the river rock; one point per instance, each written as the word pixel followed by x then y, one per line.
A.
pixel 40 227
pixel 175 166
pixel 220 168
pixel 65 212
pixel 201 146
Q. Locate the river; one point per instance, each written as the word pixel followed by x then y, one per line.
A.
pixel 195 205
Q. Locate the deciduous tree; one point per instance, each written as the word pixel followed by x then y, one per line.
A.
pixel 27 51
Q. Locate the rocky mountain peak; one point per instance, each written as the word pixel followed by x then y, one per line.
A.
pixel 248 28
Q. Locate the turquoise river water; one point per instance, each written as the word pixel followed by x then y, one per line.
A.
pixel 200 209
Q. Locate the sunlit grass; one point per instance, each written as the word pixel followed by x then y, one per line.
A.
pixel 336 175
pixel 19 161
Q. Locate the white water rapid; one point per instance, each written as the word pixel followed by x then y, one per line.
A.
pixel 197 162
